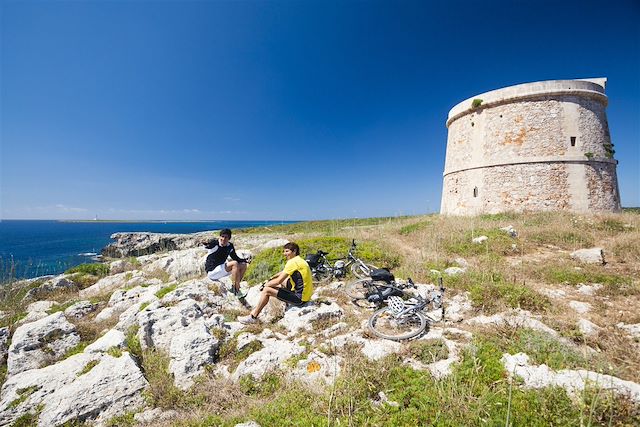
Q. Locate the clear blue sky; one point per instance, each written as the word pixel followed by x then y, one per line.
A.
pixel 278 110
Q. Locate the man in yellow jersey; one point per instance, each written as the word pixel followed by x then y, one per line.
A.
pixel 293 285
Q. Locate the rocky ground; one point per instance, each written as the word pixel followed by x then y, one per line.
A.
pixel 82 354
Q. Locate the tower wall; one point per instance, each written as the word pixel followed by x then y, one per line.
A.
pixel 532 147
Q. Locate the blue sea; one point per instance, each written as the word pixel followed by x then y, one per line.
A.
pixel 37 248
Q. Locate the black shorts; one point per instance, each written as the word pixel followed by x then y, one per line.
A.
pixel 289 297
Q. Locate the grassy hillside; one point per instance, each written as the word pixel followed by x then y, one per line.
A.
pixel 532 271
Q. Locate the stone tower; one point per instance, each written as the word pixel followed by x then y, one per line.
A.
pixel 531 147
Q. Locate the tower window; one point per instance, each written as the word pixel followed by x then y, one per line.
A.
pixel 573 141
pixel 475 191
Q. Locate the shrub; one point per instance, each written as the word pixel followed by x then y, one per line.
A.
pixel 94 269
pixel 491 292
pixel 263 387
pixel 428 351
pixel 476 103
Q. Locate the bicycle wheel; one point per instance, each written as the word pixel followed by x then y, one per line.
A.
pixel 361 270
pixel 384 324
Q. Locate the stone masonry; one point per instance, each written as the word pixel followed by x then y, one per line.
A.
pixel 532 147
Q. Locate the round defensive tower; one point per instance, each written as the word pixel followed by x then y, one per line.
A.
pixel 531 147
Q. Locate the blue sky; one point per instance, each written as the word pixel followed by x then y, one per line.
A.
pixel 277 110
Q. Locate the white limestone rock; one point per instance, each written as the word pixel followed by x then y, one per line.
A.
pixel 589 290
pixel 80 309
pixel 190 352
pixel 155 415
pixel 63 282
pixel 510 231
pixel 109 284
pixel 180 264
pixel 275 352
pixel 273 310
pixel 40 306
pixel 332 330
pixel 111 388
pixel 580 307
pixel 38 343
pixel 454 271
pixel 113 338
pixel 588 328
pixel 479 239
pixel 65 393
pixel 36 311
pixel 458 307
pixel 317 369
pixel 373 349
pixel 589 256
pixel 514 318
pixel 121 266
pixel 573 381
pixel 183 332
pixel 297 319
pixel 275 243
pixel 633 329
pixel 248 424
pixel 123 299
pixel 244 339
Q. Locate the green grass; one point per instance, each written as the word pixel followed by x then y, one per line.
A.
pixel 327 227
pixel 229 353
pixel 491 292
pixel 132 343
pixel 94 269
pixel 614 284
pixel 125 420
pixel 415 227
pixel 498 242
pixel 162 292
pixel 23 395
pixel 89 366
pixel 265 386
pixel 541 347
pixel 569 240
pixel 114 352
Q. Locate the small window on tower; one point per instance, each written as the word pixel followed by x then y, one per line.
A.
pixel 573 141
pixel 475 191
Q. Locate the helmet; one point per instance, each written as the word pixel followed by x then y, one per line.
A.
pixel 396 304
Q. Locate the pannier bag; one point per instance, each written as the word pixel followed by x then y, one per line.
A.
pixel 313 260
pixel 382 275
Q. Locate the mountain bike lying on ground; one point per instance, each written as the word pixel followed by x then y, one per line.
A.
pixel 322 270
pixel 372 291
pixel 405 319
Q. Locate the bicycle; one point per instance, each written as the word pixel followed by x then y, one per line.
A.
pixel 374 290
pixel 403 320
pixel 322 270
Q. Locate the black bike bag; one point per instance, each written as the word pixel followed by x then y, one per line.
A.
pixel 382 275
pixel 313 260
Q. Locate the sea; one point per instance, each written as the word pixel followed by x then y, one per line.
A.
pixel 30 248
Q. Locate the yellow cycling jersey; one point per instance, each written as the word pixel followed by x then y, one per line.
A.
pixel 300 281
